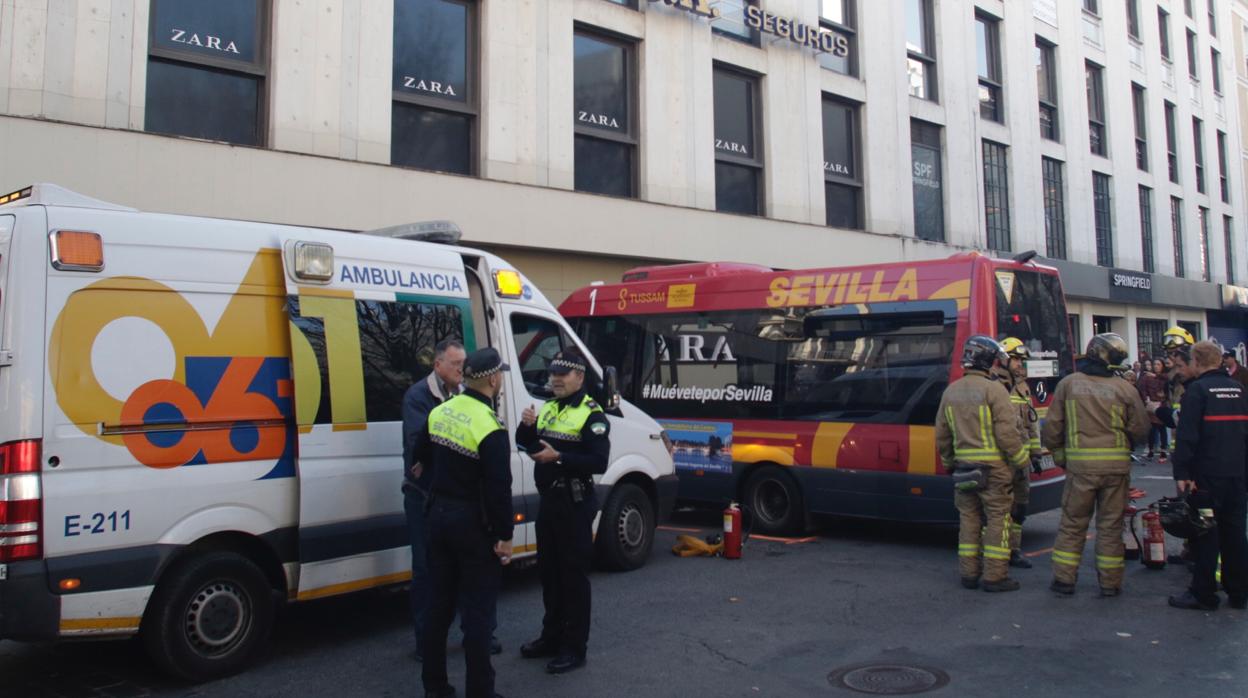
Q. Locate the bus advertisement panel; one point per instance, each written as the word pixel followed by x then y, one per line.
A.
pixel 815 391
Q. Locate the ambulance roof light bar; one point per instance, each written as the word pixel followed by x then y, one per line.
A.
pixel 45 194
pixel 443 232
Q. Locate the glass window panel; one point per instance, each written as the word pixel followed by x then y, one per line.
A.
pixel 983 46
pixel 734 114
pixel 1104 222
pixel 838 140
pixel 223 29
pixel 996 196
pixel 1054 208
pixel 834 11
pixel 926 181
pixel 1229 233
pixel 1176 231
pixel 601 84
pixel 1163 31
pixel 916 26
pixel 841 64
pixel 202 102
pixel 919 83
pixel 431 139
pixel 431 49
pixel 736 188
pixel 731 20
pixel 1146 229
pixel 604 167
pixel 841 201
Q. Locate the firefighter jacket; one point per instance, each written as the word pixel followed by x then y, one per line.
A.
pixel 1094 421
pixel 977 423
pixel 1020 397
pixel 1212 435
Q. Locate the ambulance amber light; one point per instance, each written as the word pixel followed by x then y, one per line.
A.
pixel 69 584
pixel 314 261
pixel 507 283
pixel 14 196
pixel 74 250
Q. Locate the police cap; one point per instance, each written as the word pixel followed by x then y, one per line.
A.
pixel 484 362
pixel 567 361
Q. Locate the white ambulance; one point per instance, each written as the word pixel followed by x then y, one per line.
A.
pixel 200 418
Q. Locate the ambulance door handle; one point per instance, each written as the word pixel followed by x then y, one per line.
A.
pixel 6 357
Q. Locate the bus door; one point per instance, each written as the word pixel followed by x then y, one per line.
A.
pixel 363 326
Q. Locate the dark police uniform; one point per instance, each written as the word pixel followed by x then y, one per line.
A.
pixel 577 428
pixel 1211 448
pixel 470 511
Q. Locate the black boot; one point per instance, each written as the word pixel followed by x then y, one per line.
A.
pixel 1017 560
pixel 565 663
pixel 541 647
pixel 1191 602
pixel 1062 588
pixel 1006 584
pixel 970 582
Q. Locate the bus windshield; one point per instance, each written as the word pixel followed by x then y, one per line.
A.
pixel 1034 311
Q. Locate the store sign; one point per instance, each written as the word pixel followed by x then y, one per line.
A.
pixel 696 7
pixel 1234 297
pixel 1130 286
pixel 435 87
pixel 805 35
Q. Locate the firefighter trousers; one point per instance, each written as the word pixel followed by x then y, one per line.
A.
pixel 1018 512
pixel 1084 495
pixel 983 532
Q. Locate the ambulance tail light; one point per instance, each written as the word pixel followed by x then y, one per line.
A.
pixel 508 284
pixel 75 250
pixel 21 502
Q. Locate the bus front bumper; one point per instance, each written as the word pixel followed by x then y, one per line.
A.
pixel 28 611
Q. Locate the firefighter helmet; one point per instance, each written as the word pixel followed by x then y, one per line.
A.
pixel 1181 520
pixel 981 352
pixel 1015 348
pixel 1177 337
pixel 1107 348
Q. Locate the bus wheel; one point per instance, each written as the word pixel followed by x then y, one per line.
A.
pixel 774 501
pixel 626 529
pixel 210 617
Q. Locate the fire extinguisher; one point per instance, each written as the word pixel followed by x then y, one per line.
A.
pixel 1154 548
pixel 732 532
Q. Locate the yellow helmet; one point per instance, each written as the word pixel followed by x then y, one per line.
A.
pixel 1015 348
pixel 1177 337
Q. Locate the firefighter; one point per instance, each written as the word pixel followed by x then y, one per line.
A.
pixel 1015 380
pixel 1095 420
pixel 980 442
pixel 569 442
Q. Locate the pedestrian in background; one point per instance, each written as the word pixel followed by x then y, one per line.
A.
pixel 1152 388
pixel 1234 369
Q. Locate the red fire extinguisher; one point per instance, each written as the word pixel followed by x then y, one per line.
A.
pixel 1154 548
pixel 732 532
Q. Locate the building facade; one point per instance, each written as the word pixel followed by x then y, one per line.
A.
pixel 582 137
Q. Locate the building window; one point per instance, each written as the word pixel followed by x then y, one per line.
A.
pixel 1133 19
pixel 842 180
pixel 434 108
pixel 927 181
pixel 1229 234
pixel 920 49
pixel 206 69
pixel 1206 264
pixel 1101 208
pixel 1163 30
pixel 989 64
pixel 839 17
pixel 1096 110
pixel 1149 334
pixel 1213 18
pixel 1076 330
pixel 1193 70
pixel 602 95
pixel 1176 230
pixel 1172 147
pixel 731 21
pixel 1146 229
pixel 625 3
pixel 1054 208
pixel 1092 7
pixel 1141 126
pixel 996 197
pixel 1187 9
pixel 1046 82
pixel 1223 183
pixel 1215 70
pixel 738 151
pixel 1198 145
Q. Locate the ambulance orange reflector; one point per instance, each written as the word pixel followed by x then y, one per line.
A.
pixel 69 584
pixel 519 517
pixel 74 250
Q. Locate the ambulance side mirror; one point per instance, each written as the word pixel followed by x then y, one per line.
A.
pixel 610 389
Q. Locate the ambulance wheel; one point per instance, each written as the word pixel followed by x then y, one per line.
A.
pixel 774 502
pixel 626 529
pixel 210 617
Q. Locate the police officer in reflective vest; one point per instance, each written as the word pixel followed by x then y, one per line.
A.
pixel 980 441
pixel 1014 378
pixel 569 441
pixel 469 522
pixel 1096 419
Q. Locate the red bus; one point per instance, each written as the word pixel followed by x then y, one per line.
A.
pixel 815 391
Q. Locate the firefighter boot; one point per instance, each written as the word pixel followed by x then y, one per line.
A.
pixel 1006 584
pixel 1017 560
pixel 1063 588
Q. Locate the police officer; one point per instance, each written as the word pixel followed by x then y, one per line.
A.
pixel 1094 422
pixel 469 521
pixel 980 441
pixel 569 441
pixel 1210 462
pixel 1015 380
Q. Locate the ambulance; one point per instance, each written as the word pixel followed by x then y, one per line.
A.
pixel 200 418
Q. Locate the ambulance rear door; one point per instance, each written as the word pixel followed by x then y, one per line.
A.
pixel 365 314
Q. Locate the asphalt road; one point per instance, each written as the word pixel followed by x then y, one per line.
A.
pixel 776 623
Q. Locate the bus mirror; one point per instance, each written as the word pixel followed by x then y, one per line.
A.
pixel 610 389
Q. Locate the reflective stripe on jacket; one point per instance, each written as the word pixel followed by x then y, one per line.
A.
pixel 1093 423
pixel 977 423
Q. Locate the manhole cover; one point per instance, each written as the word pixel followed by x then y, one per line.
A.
pixel 888 679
